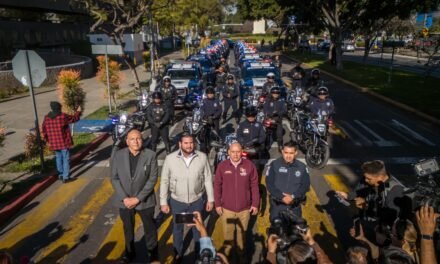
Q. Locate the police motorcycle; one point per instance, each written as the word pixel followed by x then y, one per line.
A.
pixel 296 99
pixel 256 99
pixel 144 101
pixel 311 132
pixel 221 149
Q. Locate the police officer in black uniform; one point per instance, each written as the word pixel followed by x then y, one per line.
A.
pixel 270 82
pixel 250 133
pixel 220 78
pixel 169 95
pixel 275 108
pixel 298 73
pixel 224 64
pixel 313 82
pixel 323 104
pixel 212 109
pixel 158 116
pixel 230 93
pixel 287 182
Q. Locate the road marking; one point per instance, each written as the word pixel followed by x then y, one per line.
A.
pixel 396 132
pixel 77 226
pixel 365 140
pixel 413 133
pixel 39 219
pixel 381 142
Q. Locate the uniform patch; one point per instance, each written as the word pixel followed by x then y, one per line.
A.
pixel 297 173
pixel 328 103
pixel 257 125
pixel 271 104
pixel 282 169
pixel 228 172
pixel 215 104
pixel 246 131
pixel 242 171
pixel 307 170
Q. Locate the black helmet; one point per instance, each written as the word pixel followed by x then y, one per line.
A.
pixel 210 90
pixel 275 90
pixel 315 71
pixel 230 77
pixel 251 112
pixel 157 95
pixel 322 90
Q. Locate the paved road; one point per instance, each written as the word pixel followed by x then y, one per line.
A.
pixel 76 223
pixel 405 63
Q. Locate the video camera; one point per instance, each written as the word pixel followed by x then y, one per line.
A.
pixel 427 188
pixel 289 228
pixel 206 257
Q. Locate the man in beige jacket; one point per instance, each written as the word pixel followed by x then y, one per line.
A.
pixel 186 176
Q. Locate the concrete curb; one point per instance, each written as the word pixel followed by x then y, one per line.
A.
pixel 377 95
pixel 14 207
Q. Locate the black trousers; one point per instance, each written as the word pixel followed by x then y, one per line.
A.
pixel 150 231
pixel 163 132
pixel 278 131
pixel 170 106
pixel 228 103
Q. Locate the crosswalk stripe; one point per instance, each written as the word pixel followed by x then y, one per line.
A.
pixel 40 218
pixel 349 127
pixel 336 182
pixel 381 142
pixel 396 132
pixel 77 226
pixel 413 133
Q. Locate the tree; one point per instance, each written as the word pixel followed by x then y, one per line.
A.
pixel 70 92
pixel 118 17
pixel 115 77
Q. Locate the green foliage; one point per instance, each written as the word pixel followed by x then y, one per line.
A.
pixel 115 77
pixel 2 134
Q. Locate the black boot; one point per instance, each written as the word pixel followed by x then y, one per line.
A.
pixel 153 255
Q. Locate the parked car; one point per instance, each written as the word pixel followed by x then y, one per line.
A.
pixel 324 46
pixel 348 47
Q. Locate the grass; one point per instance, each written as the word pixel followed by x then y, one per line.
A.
pixel 414 90
pixel 21 164
pixel 100 114
pixel 256 37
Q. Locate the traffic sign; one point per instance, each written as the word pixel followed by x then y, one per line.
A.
pixel 107 49
pixel 26 66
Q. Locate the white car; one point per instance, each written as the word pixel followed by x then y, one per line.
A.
pixel 348 47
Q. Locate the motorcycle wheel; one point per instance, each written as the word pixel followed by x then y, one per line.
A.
pixel 317 157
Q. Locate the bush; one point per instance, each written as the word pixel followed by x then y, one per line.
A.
pixel 69 90
pixel 146 58
pixel 2 134
pixel 31 149
pixel 115 77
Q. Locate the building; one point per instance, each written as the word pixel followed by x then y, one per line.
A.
pixel 49 25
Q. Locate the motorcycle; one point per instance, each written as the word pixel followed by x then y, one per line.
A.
pixel 125 122
pixel 296 100
pixel 144 101
pixel 311 135
pixel 270 125
pixel 254 98
pixel 222 149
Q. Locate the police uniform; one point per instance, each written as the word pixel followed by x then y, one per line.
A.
pixel 212 109
pixel 312 86
pixel 247 132
pixel 169 95
pixel 230 94
pixel 318 106
pixel 225 66
pixel 158 117
pixel 220 80
pixel 276 109
pixel 292 179
pixel 267 86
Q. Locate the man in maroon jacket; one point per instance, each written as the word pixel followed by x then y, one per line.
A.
pixel 236 197
pixel 56 132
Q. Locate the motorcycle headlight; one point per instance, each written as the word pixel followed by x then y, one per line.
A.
pixel 123 119
pixel 121 129
pixel 298 100
pixel 321 128
pixel 144 102
pixel 195 126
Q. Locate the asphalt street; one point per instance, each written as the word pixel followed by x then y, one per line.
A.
pixel 76 222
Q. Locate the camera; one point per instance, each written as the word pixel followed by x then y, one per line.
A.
pixel 206 257
pixel 427 190
pixel 289 228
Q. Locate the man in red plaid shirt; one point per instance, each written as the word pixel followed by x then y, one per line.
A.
pixel 56 132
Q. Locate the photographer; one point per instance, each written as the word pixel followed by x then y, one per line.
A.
pixel 301 251
pixel 207 250
pixel 379 196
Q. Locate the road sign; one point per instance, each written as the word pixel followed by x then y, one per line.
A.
pixel 37 68
pixel 107 49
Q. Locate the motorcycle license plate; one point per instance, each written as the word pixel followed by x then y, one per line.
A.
pixel 321 128
pixel 121 129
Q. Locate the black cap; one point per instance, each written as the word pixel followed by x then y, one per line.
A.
pixel 322 90
pixel 230 77
pixel 157 95
pixel 210 90
pixel 275 90
pixel 251 112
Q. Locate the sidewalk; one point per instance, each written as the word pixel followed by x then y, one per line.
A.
pixel 18 117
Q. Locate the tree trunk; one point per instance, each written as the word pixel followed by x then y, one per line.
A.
pixel 338 46
pixel 366 49
pixel 129 62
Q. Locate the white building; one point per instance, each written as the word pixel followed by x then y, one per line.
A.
pixel 133 44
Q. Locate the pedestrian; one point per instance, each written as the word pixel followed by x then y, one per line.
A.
pixel 158 116
pixel 236 197
pixel 230 93
pixel 133 174
pixel 287 182
pixel 186 180
pixel 56 132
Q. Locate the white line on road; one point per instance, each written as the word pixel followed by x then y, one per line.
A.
pixel 393 129
pixel 365 140
pixel 381 142
pixel 413 133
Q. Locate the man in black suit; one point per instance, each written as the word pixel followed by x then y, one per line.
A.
pixel 133 175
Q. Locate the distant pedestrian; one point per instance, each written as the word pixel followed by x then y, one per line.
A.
pixel 133 176
pixel 56 132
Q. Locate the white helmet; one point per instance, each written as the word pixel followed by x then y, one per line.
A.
pixel 270 74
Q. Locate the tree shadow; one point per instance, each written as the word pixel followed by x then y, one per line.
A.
pixel 25 210
pixel 62 251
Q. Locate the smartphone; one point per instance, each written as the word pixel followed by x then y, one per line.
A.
pixel 185 218
pixel 357 227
